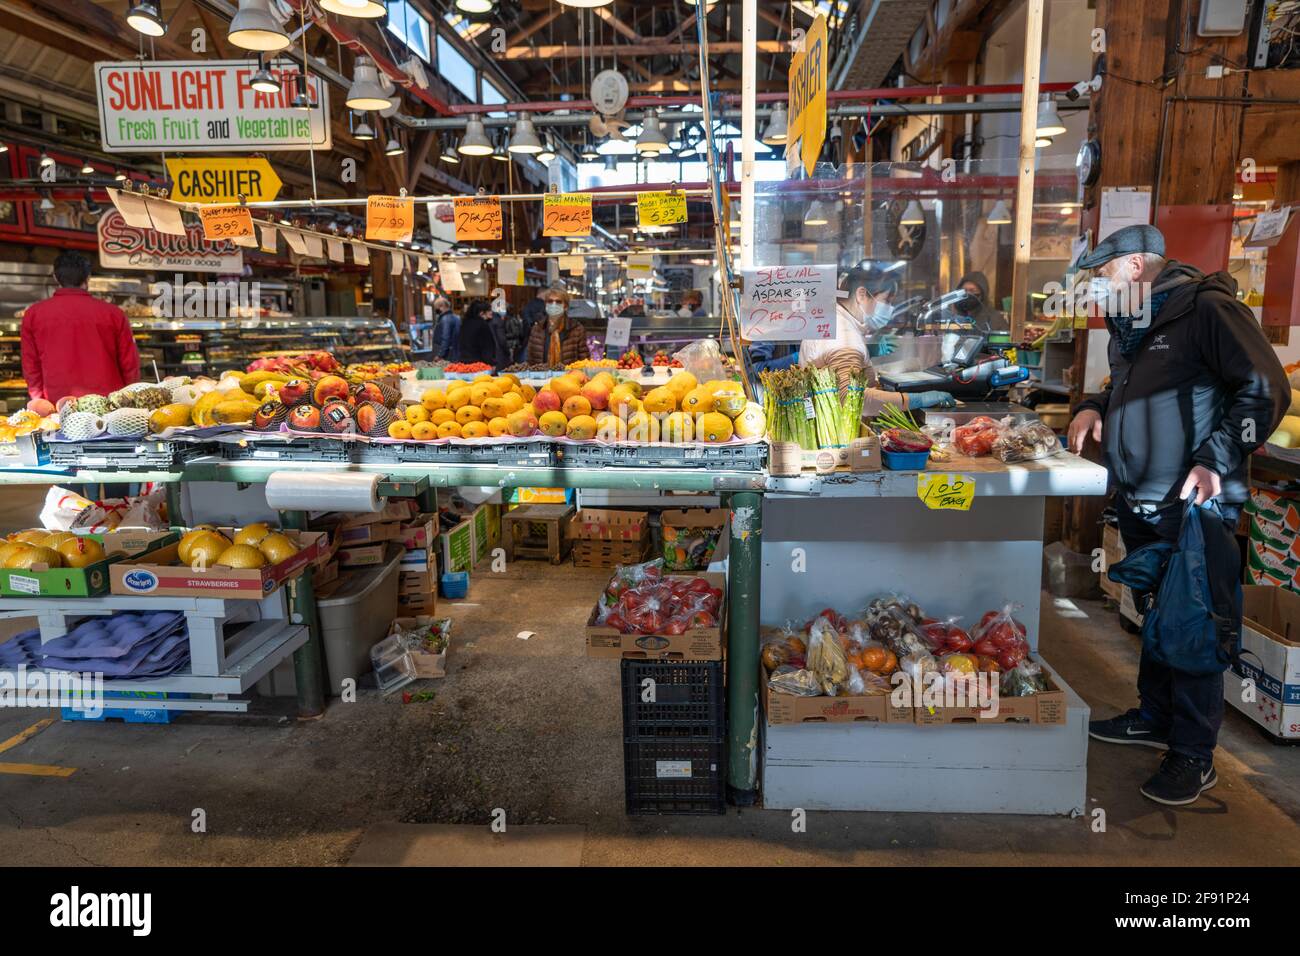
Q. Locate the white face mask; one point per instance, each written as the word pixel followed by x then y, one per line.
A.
pixel 554 309
pixel 880 315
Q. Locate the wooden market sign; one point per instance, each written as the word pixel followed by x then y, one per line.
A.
pixel 477 217
pixel 223 179
pixel 660 208
pixel 806 110
pixel 197 106
pixel 566 214
pixel 390 218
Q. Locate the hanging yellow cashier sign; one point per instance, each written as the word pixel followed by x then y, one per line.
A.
pixel 806 123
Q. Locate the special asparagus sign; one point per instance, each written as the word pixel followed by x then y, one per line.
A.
pixel 193 106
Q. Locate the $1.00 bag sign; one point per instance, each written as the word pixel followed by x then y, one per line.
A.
pixel 193 106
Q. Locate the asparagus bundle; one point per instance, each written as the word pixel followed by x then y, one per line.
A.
pixel 789 405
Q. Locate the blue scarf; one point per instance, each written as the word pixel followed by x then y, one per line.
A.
pixel 1129 337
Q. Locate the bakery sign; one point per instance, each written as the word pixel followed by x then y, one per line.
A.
pixel 128 247
pixel 195 106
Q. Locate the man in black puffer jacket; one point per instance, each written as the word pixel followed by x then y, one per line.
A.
pixel 1194 389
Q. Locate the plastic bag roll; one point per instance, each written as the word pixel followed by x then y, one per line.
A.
pixel 328 491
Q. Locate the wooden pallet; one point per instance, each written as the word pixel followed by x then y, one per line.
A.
pixel 596 553
pixel 538 532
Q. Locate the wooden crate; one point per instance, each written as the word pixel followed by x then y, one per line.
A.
pixel 537 531
pixel 594 553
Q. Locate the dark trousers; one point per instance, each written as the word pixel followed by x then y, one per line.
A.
pixel 1189 708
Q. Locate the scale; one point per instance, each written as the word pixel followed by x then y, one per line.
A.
pixel 966 370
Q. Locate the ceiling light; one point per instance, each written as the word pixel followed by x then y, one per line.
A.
pixel 361 129
pixel 589 152
pixel 475 141
pixel 300 101
pixel 4 147
pixel 87 169
pixel 913 214
pixel 775 134
pixel 525 138
pixel 264 81
pixel 1042 142
pixel 1049 122
pixel 255 27
pixel 366 93
pixel 46 159
pixel 145 17
pixel 999 215
pixel 500 155
pixel 475 6
pixel 816 215
pixel 448 155
pixel 548 151
pixel 46 204
pixel 367 9
pixel 652 139
pixel 120 176
pixel 611 163
pixel 585 4
pixel 393 147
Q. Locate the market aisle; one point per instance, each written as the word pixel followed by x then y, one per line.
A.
pixel 533 727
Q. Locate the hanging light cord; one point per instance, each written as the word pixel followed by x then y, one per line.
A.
pixel 306 77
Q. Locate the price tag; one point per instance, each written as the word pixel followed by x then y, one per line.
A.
pixel 619 330
pixel 660 209
pixel 953 492
pixel 809 411
pixel 510 271
pixel 390 218
pixel 566 214
pixel 477 217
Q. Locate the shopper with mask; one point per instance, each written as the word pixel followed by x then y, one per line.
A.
pixel 980 313
pixel 446 331
pixel 1194 388
pixel 866 311
pixel 559 340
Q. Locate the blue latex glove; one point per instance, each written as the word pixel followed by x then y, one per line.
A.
pixel 886 344
pixel 930 400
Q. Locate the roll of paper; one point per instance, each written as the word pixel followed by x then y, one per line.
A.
pixel 323 491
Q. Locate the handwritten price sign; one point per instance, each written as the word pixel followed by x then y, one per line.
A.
pixel 566 214
pixel 660 209
pixel 390 218
pixel 477 217
pixel 940 492
pixel 788 303
pixel 226 222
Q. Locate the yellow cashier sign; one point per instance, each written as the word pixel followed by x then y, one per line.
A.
pixel 806 112
pixel 223 180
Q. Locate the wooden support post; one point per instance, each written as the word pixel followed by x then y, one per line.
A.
pixel 1025 170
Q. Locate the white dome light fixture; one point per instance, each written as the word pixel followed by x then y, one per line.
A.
pixel 913 214
pixel 475 6
pixel 363 9
pixel 145 16
pixel 1042 142
pixel 999 215
pixel 652 140
pixel 255 27
pixel 475 141
pixel 365 92
pixel 775 134
pixel 1049 121
pixel 264 81
pixel 585 4
pixel 525 139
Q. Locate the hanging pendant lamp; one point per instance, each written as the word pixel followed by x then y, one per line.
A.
pixel 145 16
pixel 364 9
pixel 255 27
pixel 365 92
pixel 475 141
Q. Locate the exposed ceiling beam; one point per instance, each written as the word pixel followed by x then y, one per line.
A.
pixel 661 85
pixel 536 25
pixel 651 47
pixel 619 26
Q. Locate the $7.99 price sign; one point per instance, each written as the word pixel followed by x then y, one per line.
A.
pixel 390 218
pixel 566 214
pixel 226 222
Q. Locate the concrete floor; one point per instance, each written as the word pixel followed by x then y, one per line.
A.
pixel 533 727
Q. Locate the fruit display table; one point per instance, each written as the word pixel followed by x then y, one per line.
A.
pixel 861 534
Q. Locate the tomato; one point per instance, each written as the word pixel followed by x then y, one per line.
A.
pixel 700 586
pixel 986 648
pixel 1002 633
pixel 990 665
pixel 958 640
pixel 1010 657
pixel 617 623
pixel 673 627
pixel 703 619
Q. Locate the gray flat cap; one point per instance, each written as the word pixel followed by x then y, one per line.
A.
pixel 1123 242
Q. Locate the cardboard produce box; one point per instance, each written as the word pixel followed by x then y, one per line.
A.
pixel 427 663
pixel 608 524
pixel 414 582
pixel 1270 658
pixel 1114 554
pixel 790 709
pixel 420 533
pixel 418 602
pixel 1046 707
pixel 160 572
pixel 457 547
pixel 363 556
pixel 695 644
pixel 690 536
pixel 93 579
pixel 369 532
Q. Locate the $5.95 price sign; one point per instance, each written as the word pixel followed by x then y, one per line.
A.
pixel 945 492
pixel 660 208
pixel 390 218
pixel 566 214
pixel 477 217
pixel 226 222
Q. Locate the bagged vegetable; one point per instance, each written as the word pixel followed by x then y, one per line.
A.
pixel 826 657
pixel 703 359
pixel 1001 637
pixel 796 681
pixel 904 440
pixel 1024 680
pixel 976 437
pixel 626 577
pixel 788 648
pixel 1026 442
pixel 946 637
pixel 863 683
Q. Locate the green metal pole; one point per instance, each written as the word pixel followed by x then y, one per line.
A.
pixel 308 672
pixel 745 562
pixel 175 508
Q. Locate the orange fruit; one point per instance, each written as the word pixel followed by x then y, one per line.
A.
pixel 400 429
pixel 873 658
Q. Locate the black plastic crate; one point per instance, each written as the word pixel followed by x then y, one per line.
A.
pixel 297 449
pixel 746 457
pixel 675 776
pixel 124 454
pixel 534 454
pixel 689 700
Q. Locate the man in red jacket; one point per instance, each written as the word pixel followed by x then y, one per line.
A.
pixel 73 343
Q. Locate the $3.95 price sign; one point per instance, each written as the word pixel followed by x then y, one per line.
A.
pixel 477 217
pixel 566 214
pixel 660 208
pixel 226 222
pixel 953 492
pixel 390 218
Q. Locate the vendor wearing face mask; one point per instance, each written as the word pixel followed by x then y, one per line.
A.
pixel 866 310
pixel 558 340
pixel 1194 388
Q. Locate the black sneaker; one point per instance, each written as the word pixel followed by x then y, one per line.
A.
pixel 1128 728
pixel 1180 780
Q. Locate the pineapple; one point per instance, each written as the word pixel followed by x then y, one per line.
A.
pixel 147 397
pixel 95 404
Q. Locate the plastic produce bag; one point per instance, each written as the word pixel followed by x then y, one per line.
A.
pixel 795 681
pixel 826 657
pixel 703 359
pixel 627 576
pixel 976 437
pixel 1001 637
pixel 864 683
pixel 1026 442
pixel 1024 680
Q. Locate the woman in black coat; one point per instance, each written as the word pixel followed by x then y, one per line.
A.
pixel 477 343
